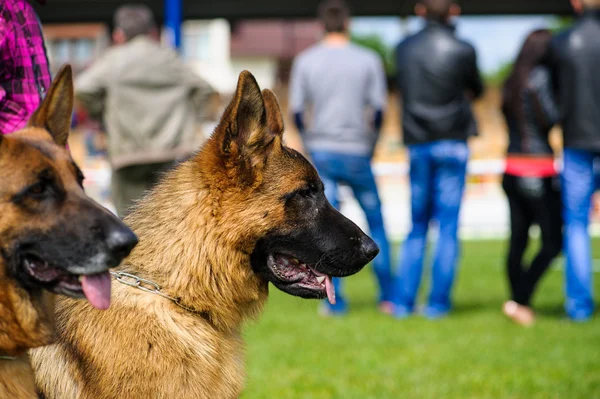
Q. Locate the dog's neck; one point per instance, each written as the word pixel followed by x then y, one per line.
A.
pixel 185 248
pixel 26 320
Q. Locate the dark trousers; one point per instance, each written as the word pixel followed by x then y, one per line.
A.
pixel 532 201
pixel 130 183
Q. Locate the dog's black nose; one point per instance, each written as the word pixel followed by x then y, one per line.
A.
pixel 369 248
pixel 121 241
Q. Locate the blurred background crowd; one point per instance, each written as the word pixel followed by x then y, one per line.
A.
pixel 218 49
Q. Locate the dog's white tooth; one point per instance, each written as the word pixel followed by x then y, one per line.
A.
pixel 80 278
pixel 320 279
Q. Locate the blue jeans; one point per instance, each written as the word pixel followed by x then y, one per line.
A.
pixel 356 172
pixel 578 182
pixel 437 181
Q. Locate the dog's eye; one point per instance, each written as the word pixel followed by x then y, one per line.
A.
pixel 38 189
pixel 306 192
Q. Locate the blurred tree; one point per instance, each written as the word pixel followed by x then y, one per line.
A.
pixel 562 23
pixel 498 77
pixel 375 43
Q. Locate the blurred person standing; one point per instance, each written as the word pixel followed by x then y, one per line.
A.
pixel 531 180
pixel 149 100
pixel 575 57
pixel 24 68
pixel 340 82
pixel 437 78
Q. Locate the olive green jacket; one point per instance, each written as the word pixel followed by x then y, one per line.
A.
pixel 150 102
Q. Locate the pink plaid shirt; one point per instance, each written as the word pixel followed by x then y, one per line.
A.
pixel 24 70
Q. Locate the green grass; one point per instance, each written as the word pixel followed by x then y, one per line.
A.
pixel 474 353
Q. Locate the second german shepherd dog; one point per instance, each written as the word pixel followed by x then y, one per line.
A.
pixel 53 238
pixel 246 211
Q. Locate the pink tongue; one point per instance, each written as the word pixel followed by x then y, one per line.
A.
pixel 96 288
pixel 330 290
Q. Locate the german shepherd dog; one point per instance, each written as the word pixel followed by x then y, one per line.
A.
pixel 243 212
pixel 53 238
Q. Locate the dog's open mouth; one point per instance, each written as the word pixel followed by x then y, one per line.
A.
pixel 94 287
pixel 292 271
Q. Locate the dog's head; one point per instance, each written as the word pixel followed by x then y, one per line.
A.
pixel 298 241
pixel 52 236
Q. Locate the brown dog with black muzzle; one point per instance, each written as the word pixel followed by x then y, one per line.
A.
pixel 53 238
pixel 246 211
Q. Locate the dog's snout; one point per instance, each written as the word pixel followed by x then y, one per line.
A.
pixel 120 241
pixel 369 248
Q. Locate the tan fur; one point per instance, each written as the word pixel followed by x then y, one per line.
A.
pixel 197 230
pixel 27 314
pixel 27 321
pixel 17 380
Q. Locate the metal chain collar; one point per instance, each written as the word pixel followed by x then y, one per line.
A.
pixel 147 286
pixel 141 284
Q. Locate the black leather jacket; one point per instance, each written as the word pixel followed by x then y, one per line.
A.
pixel 575 59
pixel 530 125
pixel 437 73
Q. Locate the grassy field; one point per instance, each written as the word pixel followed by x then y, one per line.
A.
pixel 474 353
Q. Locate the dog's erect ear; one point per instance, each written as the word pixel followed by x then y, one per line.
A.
pixel 274 115
pixel 54 114
pixel 245 120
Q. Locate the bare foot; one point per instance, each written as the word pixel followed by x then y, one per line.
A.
pixel 520 314
pixel 386 307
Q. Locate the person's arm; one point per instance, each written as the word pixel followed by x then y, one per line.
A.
pixel 378 121
pixel 542 96
pixel 204 97
pixel 91 87
pixel 298 96
pixel 299 122
pixel 474 82
pixel 377 96
pixel 551 63
pixel 9 109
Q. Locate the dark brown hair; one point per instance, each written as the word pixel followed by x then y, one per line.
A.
pixel 532 54
pixel 438 10
pixel 334 14
pixel 134 20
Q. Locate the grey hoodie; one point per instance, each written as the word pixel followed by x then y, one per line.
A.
pixel 150 102
pixel 339 84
